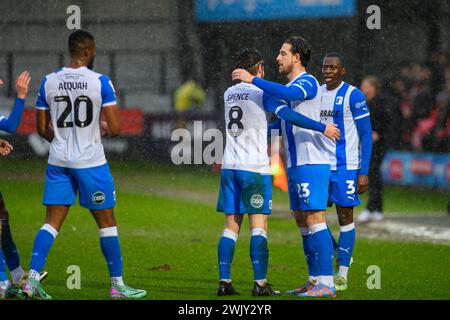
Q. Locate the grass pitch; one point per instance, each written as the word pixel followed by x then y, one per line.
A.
pixel 169 230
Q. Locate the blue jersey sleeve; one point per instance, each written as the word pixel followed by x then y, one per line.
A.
pixel 278 107
pixel 274 128
pixel 299 120
pixel 108 92
pixel 364 128
pixel 11 123
pixel 271 103
pixel 3 122
pixel 307 85
pixel 301 89
pixel 358 105
pixel 41 102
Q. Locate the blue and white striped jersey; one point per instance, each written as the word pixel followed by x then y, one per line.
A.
pixel 304 146
pixel 343 106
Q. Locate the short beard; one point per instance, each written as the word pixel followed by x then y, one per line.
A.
pixel 285 71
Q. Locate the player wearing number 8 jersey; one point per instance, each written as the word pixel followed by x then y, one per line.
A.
pixel 69 105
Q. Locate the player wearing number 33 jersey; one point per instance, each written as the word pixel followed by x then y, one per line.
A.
pixel 74 98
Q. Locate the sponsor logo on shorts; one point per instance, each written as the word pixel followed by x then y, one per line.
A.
pixel 98 197
pixel 257 201
pixel 270 204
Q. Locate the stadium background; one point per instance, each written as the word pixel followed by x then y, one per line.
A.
pixel 151 48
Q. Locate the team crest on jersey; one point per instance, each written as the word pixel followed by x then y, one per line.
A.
pixel 360 104
pixel 339 100
pixel 257 201
pixel 98 197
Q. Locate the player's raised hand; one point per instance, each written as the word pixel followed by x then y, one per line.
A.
pixel 332 132
pixel 1 83
pixel 5 147
pixel 242 75
pixel 363 183
pixel 22 83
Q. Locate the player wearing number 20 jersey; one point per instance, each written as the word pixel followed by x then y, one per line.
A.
pixel 69 105
pixel 75 98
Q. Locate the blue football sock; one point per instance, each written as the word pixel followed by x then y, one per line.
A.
pixel 346 244
pixel 259 253
pixel 324 247
pixel 225 252
pixel 3 274
pixel 109 243
pixel 310 253
pixel 335 244
pixel 42 244
pixel 9 247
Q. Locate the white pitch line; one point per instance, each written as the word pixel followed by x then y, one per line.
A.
pixel 412 229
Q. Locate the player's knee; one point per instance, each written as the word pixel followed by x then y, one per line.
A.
pixel 299 219
pixel 345 218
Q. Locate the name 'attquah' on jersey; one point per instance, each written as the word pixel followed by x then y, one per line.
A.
pixel 74 98
pixel 246 129
pixel 343 106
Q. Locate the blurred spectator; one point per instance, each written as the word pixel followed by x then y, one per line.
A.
pixel 380 116
pixel 424 105
pixel 393 97
pixel 432 133
pixel 439 61
pixel 189 97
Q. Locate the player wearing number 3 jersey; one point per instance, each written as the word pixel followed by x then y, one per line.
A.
pixel 69 105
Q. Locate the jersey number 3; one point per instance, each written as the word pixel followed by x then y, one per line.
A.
pixel 62 123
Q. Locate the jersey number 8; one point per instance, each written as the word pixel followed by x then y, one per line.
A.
pixel 235 115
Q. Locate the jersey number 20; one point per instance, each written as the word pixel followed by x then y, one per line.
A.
pixel 61 123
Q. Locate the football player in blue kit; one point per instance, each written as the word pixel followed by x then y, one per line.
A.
pixel 346 106
pixel 245 186
pixel 9 255
pixel 68 109
pixel 308 162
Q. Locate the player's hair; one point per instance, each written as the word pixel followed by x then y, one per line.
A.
pixel 302 47
pixel 248 59
pixel 374 81
pixel 79 40
pixel 336 55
